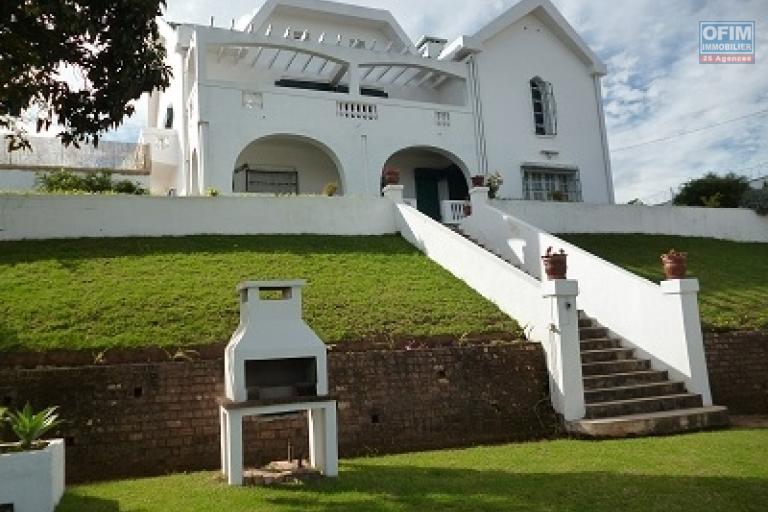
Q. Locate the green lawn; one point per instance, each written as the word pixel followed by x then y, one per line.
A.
pixel 716 471
pixel 99 293
pixel 733 276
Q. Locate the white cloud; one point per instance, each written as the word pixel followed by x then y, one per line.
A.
pixel 655 87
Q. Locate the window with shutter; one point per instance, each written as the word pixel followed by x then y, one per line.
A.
pixel 544 107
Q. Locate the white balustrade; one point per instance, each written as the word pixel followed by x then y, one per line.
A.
pixel 357 110
pixel 453 212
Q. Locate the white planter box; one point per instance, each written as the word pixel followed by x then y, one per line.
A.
pixel 33 481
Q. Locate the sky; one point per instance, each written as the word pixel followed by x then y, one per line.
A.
pixel 669 118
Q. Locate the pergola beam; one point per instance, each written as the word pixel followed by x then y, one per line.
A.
pixel 398 75
pixel 274 58
pixel 338 75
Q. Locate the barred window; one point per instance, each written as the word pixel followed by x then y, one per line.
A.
pixel 544 107
pixel 543 184
pixel 266 181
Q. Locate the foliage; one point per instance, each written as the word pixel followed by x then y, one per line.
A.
pixel 212 192
pixel 30 426
pixel 178 291
pixel 78 63
pixel 733 275
pixel 756 199
pixel 99 182
pixel 330 189
pixel 494 182
pixel 713 191
pixel 636 202
pixel 713 471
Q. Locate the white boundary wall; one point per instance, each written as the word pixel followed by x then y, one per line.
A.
pixel 736 224
pixel 45 216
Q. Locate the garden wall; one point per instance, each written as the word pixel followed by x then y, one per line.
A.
pixel 147 419
pixel 738 370
pixel 50 216
pixel 737 224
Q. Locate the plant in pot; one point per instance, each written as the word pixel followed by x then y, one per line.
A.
pixel 32 469
pixel 391 176
pixel 478 180
pixel 555 264
pixel 675 264
pixel 495 181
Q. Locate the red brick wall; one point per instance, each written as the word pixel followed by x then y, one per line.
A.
pixel 738 370
pixel 147 419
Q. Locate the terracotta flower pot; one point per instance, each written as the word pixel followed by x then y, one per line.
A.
pixel 467 210
pixel 478 181
pixel 675 264
pixel 555 264
pixel 391 176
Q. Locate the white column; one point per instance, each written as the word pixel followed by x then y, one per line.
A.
pixel 323 444
pixel 478 196
pixel 394 193
pixel 354 79
pixel 202 156
pixel 563 348
pixel 681 296
pixel 224 442
pixel 234 447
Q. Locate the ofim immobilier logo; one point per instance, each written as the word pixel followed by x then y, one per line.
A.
pixel 727 42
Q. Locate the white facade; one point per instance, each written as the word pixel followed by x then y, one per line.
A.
pixel 310 93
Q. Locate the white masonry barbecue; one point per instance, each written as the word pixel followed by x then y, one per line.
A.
pixel 275 364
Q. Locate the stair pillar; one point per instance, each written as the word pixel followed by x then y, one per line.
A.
pixel 563 348
pixel 681 296
pixel 478 196
pixel 394 193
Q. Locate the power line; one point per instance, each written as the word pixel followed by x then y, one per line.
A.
pixel 688 132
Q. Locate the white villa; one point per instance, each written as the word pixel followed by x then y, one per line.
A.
pixel 311 92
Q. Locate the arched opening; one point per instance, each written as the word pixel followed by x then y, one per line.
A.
pixel 432 178
pixel 287 164
pixel 194 175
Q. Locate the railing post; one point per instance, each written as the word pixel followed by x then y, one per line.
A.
pixel 681 297
pixel 394 193
pixel 563 348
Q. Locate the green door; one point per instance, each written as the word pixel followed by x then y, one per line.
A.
pixel 427 197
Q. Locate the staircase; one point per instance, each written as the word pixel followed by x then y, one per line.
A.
pixel 624 396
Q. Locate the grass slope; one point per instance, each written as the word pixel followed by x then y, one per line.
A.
pixel 716 471
pixel 733 276
pixel 82 294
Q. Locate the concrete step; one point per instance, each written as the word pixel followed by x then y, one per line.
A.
pixel 643 405
pixel 600 343
pixel 585 322
pixel 606 354
pixel 592 396
pixel 624 379
pixel 612 367
pixel 586 333
pixel 654 423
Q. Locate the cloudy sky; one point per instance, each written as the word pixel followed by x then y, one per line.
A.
pixel 669 117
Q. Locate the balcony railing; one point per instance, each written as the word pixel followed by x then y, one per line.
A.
pixel 453 212
pixel 49 153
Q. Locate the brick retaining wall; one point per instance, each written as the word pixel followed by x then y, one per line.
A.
pixel 738 370
pixel 148 419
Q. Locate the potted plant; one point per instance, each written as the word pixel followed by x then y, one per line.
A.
pixel 467 207
pixel 478 180
pixel 675 264
pixel 391 176
pixel 555 264
pixel 31 470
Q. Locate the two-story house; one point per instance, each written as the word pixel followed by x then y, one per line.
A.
pixel 310 93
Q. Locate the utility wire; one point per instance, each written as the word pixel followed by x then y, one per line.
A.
pixel 688 132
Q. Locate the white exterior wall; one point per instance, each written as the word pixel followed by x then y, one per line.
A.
pixel 737 224
pixel 41 217
pixel 505 66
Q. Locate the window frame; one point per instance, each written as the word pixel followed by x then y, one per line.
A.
pixel 547 125
pixel 551 180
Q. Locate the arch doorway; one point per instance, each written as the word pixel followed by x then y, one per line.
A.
pixel 287 164
pixel 430 178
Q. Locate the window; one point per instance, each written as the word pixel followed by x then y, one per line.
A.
pixel 168 117
pixel 546 184
pixel 263 181
pixel 544 107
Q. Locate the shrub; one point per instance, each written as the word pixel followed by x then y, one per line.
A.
pixel 494 181
pixel 29 426
pixel 756 199
pixel 99 182
pixel 330 189
pixel 212 192
pixel 713 191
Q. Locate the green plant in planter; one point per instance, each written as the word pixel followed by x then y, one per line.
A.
pixel 30 426
pixel 494 182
